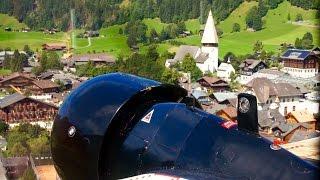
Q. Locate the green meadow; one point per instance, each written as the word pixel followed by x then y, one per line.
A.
pixel 277 29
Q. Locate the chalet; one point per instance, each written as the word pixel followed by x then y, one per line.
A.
pixel 17 108
pixel 213 83
pixel 54 46
pixel 18 80
pixel 228 114
pixel 91 34
pixel 301 63
pixel 185 34
pixel 43 86
pixel 297 133
pixel 97 59
pixel 248 68
pixel 305 117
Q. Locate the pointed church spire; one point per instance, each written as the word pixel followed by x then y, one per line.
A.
pixel 210 36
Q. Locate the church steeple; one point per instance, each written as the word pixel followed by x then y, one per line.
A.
pixel 210 37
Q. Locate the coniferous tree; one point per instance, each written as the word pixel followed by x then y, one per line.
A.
pixel 236 27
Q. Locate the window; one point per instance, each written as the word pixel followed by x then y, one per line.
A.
pixel 294 108
pixel 285 110
pixel 292 99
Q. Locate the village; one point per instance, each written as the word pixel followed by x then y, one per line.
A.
pixel 288 97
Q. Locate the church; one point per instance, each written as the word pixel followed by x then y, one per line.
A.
pixel 206 56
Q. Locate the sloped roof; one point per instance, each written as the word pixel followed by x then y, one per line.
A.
pixel 271 71
pixel 222 96
pixel 93 57
pixel 264 88
pixel 11 99
pixel 15 75
pixel 184 50
pixel 202 57
pixel 230 111
pixel 294 127
pixel 210 33
pixel 250 63
pixel 285 89
pixel 225 67
pixel 212 80
pixel 298 54
pixel 198 93
pixel 16 97
pixel 303 116
pixel 45 84
pixel 271 118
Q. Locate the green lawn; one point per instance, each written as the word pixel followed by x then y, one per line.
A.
pixel 193 25
pixel 9 21
pixel 155 23
pixel 17 40
pixel 110 41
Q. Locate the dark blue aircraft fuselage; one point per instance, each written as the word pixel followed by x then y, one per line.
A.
pixel 125 125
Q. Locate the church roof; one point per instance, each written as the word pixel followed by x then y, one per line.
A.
pixel 225 67
pixel 184 50
pixel 210 34
pixel 202 58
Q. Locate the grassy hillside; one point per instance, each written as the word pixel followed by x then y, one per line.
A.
pixel 155 23
pixel 109 41
pixel 17 40
pixel 237 16
pixel 276 30
pixel 8 21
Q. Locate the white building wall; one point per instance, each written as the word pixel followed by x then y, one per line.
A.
pixel 225 74
pixel 211 64
pixel 297 103
pixel 302 73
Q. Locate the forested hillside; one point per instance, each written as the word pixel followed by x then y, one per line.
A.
pixel 94 14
